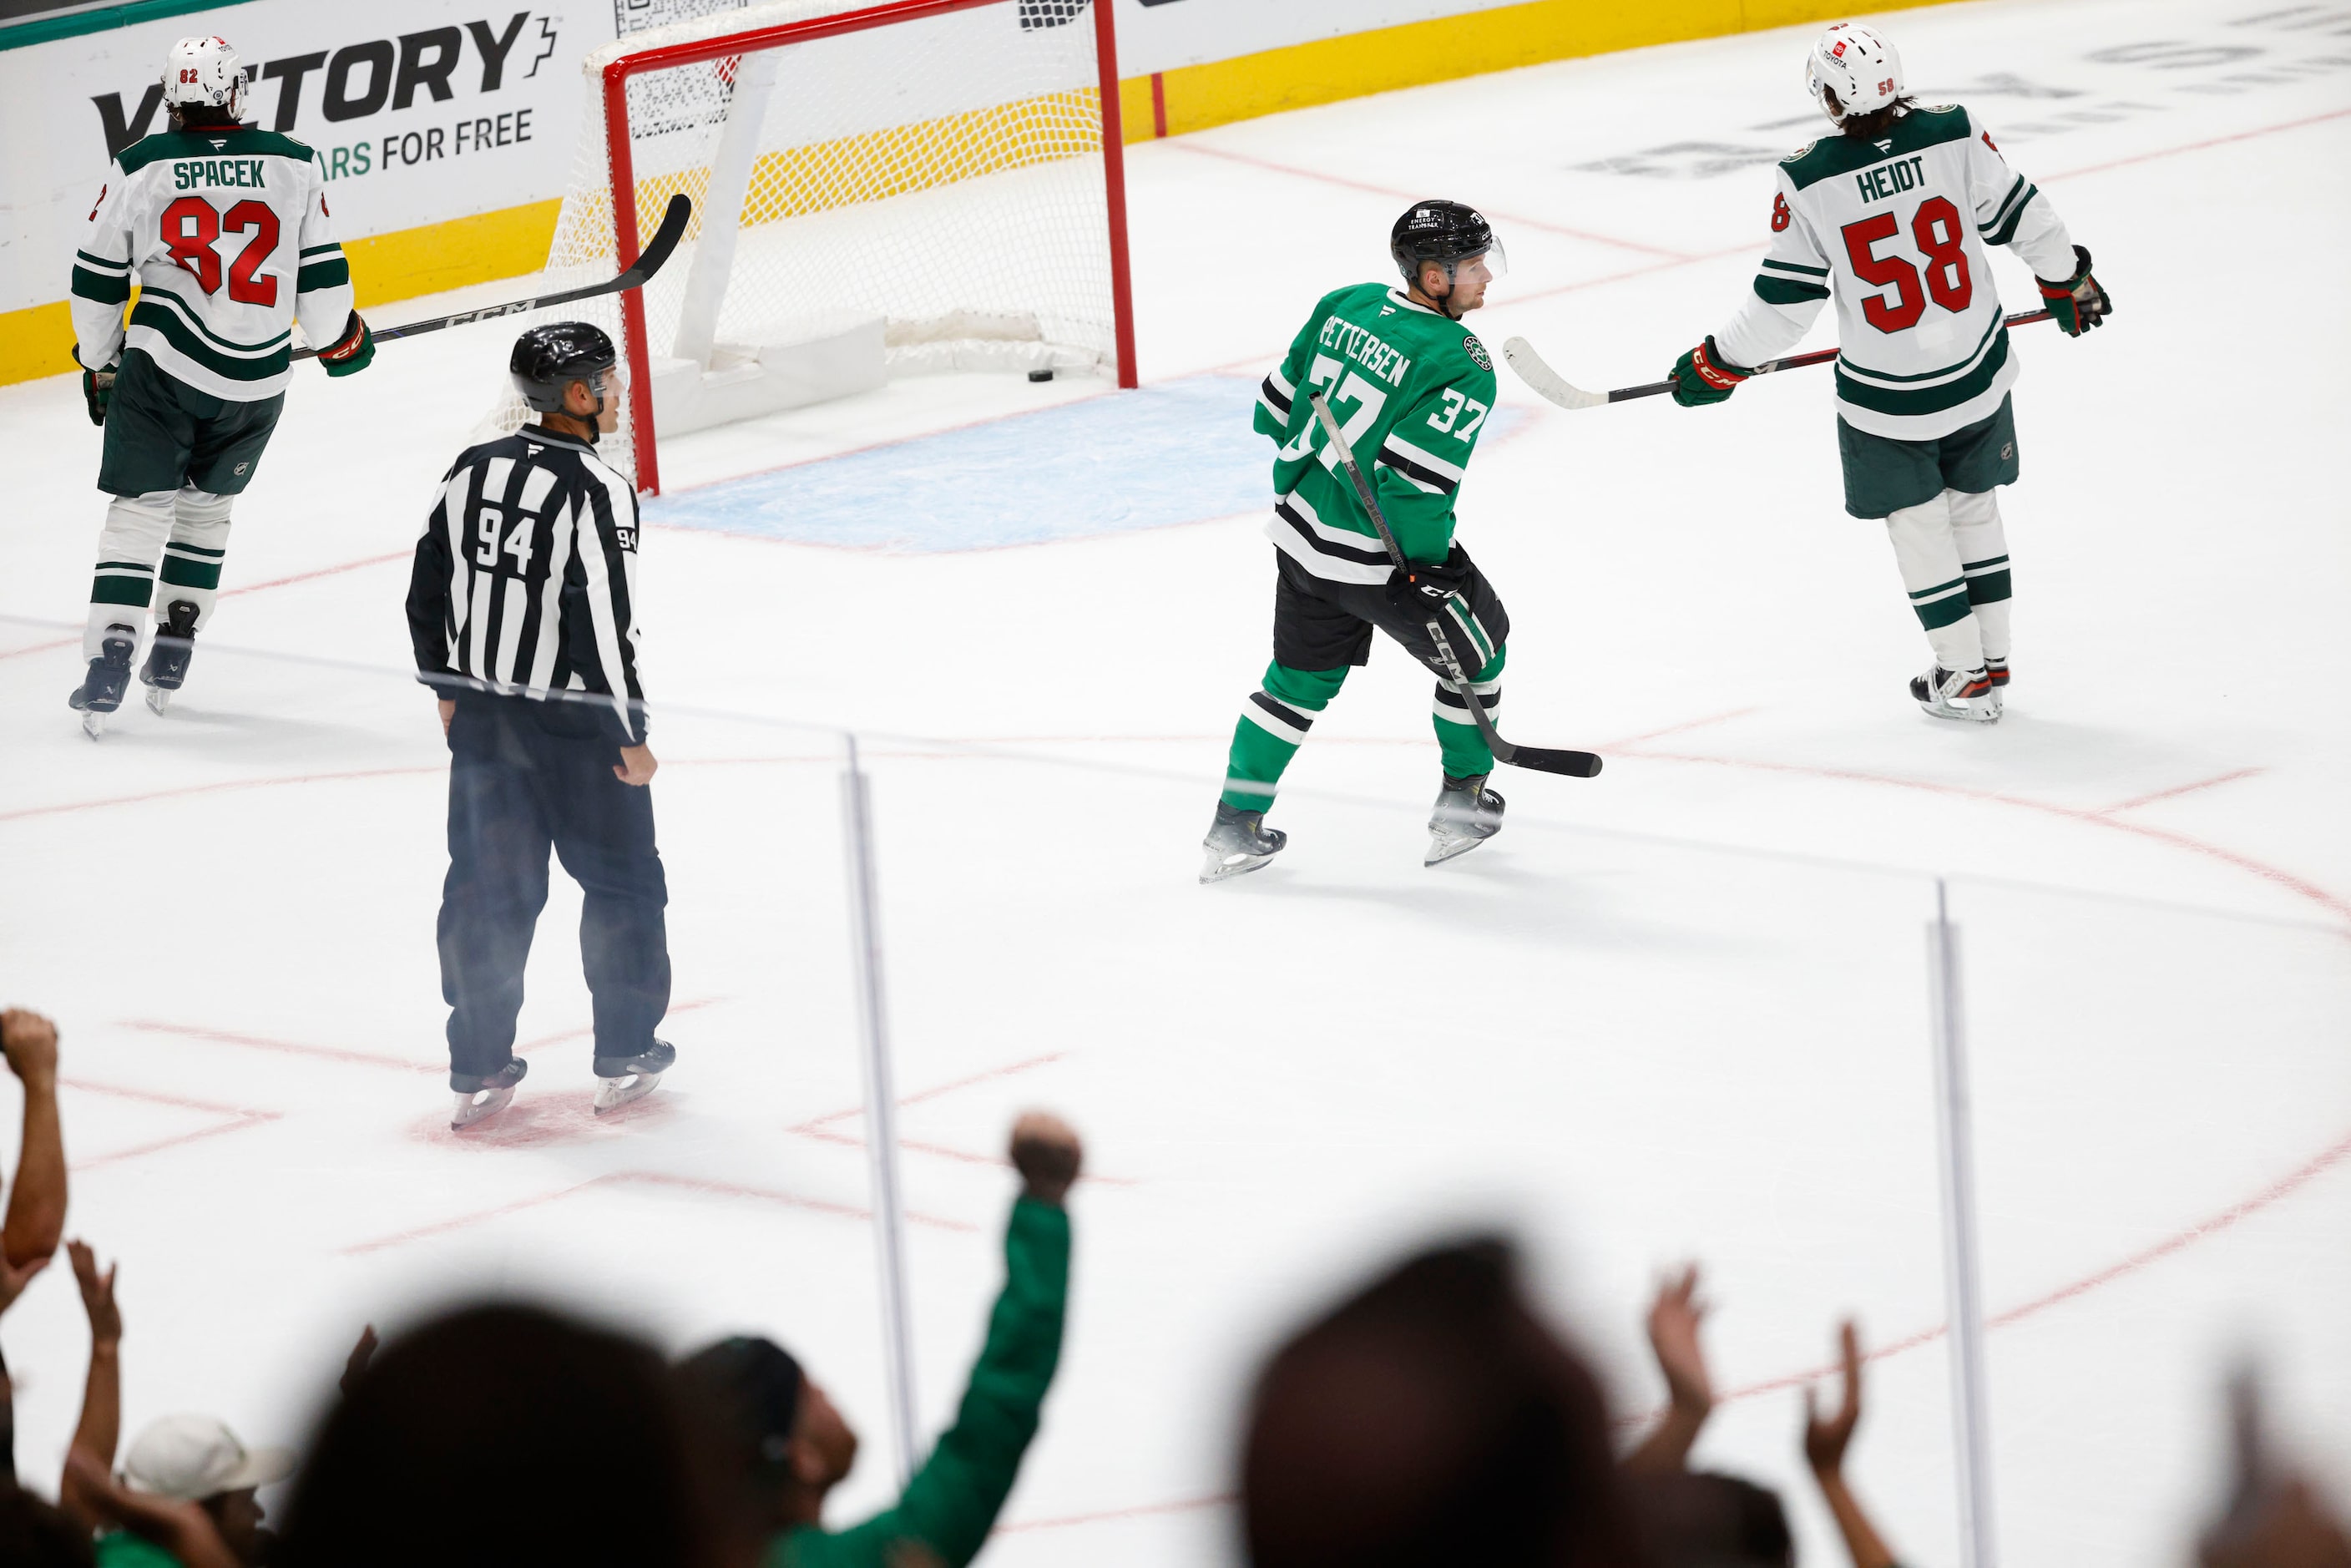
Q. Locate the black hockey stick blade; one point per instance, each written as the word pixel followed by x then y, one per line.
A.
pixel 1554 388
pixel 636 275
pixel 1574 764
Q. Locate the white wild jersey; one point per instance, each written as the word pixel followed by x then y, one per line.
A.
pixel 1897 229
pixel 226 232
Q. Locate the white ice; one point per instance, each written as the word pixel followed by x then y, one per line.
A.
pixel 1677 1011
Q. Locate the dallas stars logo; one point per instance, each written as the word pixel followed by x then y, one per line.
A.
pixel 1477 355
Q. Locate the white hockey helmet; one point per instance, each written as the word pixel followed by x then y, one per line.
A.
pixel 1862 71
pixel 207 72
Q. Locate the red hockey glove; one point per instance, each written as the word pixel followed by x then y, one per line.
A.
pixel 354 353
pixel 2078 304
pixel 97 391
pixel 1704 376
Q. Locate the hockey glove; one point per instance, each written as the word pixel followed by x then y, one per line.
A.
pixel 2078 304
pixel 353 354
pixel 1423 588
pixel 98 391
pixel 1704 376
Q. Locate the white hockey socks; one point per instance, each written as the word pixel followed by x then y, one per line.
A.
pixel 192 561
pixel 186 528
pixel 1928 553
pixel 1983 557
pixel 124 583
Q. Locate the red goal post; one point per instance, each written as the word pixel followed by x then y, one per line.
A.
pixel 967 232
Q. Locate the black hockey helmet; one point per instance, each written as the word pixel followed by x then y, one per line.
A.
pixel 1441 231
pixel 548 358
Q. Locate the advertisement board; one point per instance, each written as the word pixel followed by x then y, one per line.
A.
pixel 422 110
pixel 449 128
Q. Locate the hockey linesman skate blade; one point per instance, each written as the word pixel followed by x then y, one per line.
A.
pixel 93 725
pixel 159 700
pixel 479 1106
pixel 612 1094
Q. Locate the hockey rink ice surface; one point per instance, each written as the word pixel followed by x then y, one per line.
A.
pixel 1676 1011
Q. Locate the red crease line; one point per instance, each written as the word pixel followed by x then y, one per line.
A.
pixel 2200 146
pixel 2181 790
pixel 64 806
pixel 936 1091
pixel 648 1179
pixel 1143 1510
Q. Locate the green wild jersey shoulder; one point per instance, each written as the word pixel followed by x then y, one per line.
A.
pixel 214 143
pixel 1840 154
pixel 1411 388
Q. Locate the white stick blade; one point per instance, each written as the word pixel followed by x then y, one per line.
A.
pixel 1539 375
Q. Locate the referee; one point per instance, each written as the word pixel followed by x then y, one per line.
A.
pixel 522 608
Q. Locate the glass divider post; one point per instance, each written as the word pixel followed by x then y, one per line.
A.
pixel 881 1108
pixel 1962 1277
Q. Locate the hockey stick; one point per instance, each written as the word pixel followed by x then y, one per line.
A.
pixel 1574 764
pixel 640 272
pixel 1558 389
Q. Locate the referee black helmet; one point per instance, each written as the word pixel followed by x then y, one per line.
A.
pixel 549 358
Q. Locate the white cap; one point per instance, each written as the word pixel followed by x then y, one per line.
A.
pixel 1863 69
pixel 191 1457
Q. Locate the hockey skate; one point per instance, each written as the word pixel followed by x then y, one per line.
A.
pixel 168 652
pixel 479 1096
pixel 100 692
pixel 1957 693
pixel 1239 842
pixel 1466 815
pixel 622 1079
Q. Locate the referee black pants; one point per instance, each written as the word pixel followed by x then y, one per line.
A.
pixel 525 777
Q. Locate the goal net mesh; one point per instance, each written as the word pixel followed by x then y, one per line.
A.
pixel 943 173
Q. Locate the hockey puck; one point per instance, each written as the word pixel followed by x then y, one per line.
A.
pixel 1041 375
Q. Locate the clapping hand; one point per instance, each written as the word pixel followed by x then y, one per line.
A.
pixel 1825 1441
pixel 97 1294
pixel 1046 1152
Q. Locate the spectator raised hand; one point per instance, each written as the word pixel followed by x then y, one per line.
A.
pixel 1675 1318
pixel 36 1203
pixel 1825 1442
pixel 100 1427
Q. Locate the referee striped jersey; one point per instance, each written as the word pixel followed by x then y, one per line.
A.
pixel 525 576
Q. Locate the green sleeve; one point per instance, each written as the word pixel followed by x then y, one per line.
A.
pixel 952 1502
pixel 1424 458
pixel 124 1550
pixel 1278 406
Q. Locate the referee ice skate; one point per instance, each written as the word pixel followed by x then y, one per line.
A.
pixel 522 608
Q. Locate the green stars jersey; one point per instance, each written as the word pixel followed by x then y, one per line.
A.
pixel 1411 388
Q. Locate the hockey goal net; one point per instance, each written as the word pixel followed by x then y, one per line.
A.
pixel 880 191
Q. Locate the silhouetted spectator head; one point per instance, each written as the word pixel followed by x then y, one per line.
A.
pixel 495 1435
pixel 196 1459
pixel 1432 1418
pixel 1707 1521
pixel 773 1442
pixel 33 1535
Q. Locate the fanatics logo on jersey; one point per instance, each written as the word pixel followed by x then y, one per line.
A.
pixel 1478 356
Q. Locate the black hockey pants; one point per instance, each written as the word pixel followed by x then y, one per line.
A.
pixel 524 776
